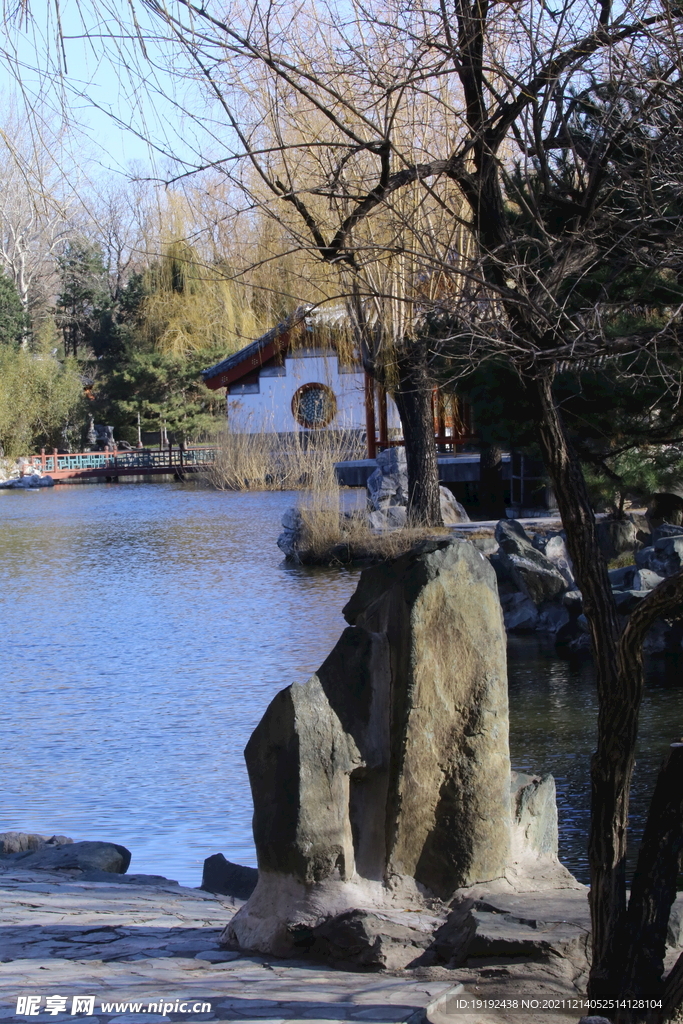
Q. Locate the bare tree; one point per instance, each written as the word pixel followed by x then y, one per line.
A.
pixel 36 208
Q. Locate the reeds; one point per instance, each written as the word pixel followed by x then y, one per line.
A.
pixel 281 462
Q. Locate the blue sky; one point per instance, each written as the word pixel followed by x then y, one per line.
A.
pixel 109 108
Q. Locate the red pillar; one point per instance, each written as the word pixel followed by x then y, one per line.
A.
pixel 370 416
pixel 383 428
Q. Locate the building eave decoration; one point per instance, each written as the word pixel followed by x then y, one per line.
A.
pixel 274 342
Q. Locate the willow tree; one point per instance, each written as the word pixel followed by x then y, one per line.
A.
pixel 192 306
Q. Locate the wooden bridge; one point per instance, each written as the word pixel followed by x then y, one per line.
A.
pixel 175 461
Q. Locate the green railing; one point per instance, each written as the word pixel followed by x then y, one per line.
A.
pixel 173 457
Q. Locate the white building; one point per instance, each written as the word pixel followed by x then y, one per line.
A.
pixel 291 380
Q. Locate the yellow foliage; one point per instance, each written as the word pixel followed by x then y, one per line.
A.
pixel 192 306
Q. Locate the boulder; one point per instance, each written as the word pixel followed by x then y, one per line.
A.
pixel 485 542
pixel 616 537
pixel 29 482
pixel 527 567
pixel 553 617
pixel 622 578
pixel 19 842
pixel 388 484
pixel 452 512
pixel 86 856
pixel 498 932
pixel 664 558
pixel 666 530
pixel 438 609
pixel 643 528
pixel 390 767
pixel 292 530
pixel 228 879
pixel 539 582
pixel 514 926
pixel 388 491
pixel 392 517
pixel 554 548
pixel 646 579
pixel 512 537
pixel 519 613
pixel 370 939
pixel 534 814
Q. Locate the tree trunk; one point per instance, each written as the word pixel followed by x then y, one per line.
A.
pixel 612 762
pixel 491 489
pixel 654 886
pixel 413 397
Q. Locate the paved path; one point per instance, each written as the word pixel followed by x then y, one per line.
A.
pixel 158 946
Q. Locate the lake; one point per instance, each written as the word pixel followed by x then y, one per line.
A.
pixel 145 628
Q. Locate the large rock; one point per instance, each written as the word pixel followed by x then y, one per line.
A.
pixel 519 613
pixel 452 512
pixel 527 567
pixel 645 579
pixel 391 517
pixel 388 484
pixel 222 876
pixel 554 547
pixel 390 766
pixel 290 539
pixel 388 490
pixel 530 927
pixel 666 530
pixel 371 939
pixel 86 856
pixel 616 537
pixel 20 842
pixel 534 815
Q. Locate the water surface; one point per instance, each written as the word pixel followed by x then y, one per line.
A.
pixel 145 628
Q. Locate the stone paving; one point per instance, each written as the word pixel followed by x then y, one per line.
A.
pixel 157 946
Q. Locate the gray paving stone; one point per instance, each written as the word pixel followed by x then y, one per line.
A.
pixel 64 937
pixel 217 956
pixel 139 1018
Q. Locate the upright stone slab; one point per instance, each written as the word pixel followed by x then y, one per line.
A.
pixel 390 766
pixel 447 812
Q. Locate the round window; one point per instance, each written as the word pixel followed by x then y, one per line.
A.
pixel 314 405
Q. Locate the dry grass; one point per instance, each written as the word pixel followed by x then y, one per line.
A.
pixel 330 538
pixel 622 560
pixel 280 462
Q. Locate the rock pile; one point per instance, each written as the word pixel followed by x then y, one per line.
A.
pixel 538 591
pixel 388 494
pixel 387 510
pixel 22 475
